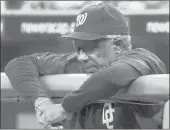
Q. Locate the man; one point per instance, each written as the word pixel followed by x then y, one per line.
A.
pixel 102 41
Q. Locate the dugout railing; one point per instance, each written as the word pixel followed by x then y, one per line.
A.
pixel 151 89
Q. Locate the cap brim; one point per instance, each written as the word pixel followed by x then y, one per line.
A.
pixel 83 36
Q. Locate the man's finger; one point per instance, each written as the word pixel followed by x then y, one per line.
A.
pixel 89 64
pixel 39 113
pixel 48 127
pixel 40 119
pixel 57 126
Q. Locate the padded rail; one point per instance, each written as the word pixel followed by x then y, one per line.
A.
pixel 150 88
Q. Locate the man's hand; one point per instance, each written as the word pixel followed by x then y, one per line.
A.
pixel 40 104
pixel 54 113
pixel 91 63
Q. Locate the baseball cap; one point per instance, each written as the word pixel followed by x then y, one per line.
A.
pixel 98 21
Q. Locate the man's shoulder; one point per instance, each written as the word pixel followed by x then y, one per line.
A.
pixel 139 53
pixel 144 61
pixel 142 50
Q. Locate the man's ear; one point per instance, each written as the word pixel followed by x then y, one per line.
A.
pixel 119 45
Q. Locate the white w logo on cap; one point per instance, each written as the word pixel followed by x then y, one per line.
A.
pixel 81 18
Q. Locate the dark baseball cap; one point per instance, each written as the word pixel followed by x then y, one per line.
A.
pixel 98 21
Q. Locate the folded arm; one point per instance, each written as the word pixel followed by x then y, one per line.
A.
pixel 101 85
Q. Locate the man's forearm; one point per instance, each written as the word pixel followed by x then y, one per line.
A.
pixel 101 85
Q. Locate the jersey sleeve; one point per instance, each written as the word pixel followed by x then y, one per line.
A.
pixel 101 85
pixel 50 63
pixel 24 72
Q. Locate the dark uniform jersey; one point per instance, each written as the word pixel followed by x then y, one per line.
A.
pixel 24 73
pixel 121 73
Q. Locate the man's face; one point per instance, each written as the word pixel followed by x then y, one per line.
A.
pixel 100 51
